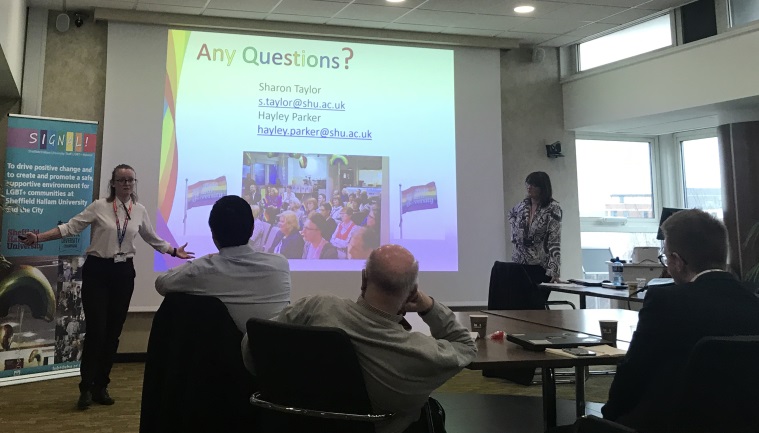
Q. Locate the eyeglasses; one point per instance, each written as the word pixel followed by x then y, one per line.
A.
pixel 126 181
pixel 309 228
pixel 663 259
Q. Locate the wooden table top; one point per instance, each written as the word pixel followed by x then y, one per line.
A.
pixel 502 353
pixel 599 292
pixel 585 321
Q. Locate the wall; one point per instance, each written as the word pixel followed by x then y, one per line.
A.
pixel 711 71
pixel 532 113
pixel 12 31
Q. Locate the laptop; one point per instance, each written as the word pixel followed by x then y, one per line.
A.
pixel 540 341
pixel 587 282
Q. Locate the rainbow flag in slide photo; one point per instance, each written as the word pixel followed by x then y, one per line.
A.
pixel 206 192
pixel 419 197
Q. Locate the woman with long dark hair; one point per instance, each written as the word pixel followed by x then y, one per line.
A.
pixel 108 275
pixel 536 230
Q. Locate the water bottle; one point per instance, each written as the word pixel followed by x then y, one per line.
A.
pixel 616 270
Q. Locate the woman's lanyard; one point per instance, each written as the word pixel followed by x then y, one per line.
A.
pixel 119 232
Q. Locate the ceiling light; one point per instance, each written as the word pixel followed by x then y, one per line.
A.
pixel 395 1
pixel 524 9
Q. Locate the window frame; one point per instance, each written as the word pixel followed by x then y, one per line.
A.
pixel 633 225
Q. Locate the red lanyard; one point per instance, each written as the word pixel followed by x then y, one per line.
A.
pixel 121 233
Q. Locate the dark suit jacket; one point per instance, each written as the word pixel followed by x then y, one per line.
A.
pixel 292 245
pixel 331 227
pixel 670 323
pixel 195 380
pixel 328 252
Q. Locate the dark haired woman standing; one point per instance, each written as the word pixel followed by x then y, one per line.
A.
pixel 536 230
pixel 108 275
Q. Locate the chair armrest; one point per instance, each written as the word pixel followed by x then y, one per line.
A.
pixel 560 303
pixel 257 401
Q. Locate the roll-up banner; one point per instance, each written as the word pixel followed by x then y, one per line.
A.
pixel 49 178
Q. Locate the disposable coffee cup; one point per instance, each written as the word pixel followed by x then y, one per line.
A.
pixel 632 286
pixel 609 330
pixel 479 324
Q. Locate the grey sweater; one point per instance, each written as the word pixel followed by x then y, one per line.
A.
pixel 401 368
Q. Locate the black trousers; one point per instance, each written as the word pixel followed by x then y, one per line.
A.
pixel 106 291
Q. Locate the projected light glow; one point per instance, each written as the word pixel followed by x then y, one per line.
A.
pixel 320 117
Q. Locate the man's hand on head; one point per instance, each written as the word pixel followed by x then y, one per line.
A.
pixel 418 302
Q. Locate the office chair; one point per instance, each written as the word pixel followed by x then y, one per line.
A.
pixel 512 288
pixel 309 380
pixel 594 263
pixel 195 380
pixel 720 389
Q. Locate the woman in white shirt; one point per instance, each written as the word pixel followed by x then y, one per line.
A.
pixel 108 274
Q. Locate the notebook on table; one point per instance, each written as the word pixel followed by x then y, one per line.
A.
pixel 540 341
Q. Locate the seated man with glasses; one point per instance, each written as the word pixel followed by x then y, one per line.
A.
pixel 706 301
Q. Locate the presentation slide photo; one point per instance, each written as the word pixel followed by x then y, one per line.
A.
pixel 300 118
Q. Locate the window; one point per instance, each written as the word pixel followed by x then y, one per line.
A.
pixel 614 180
pixel 616 194
pixel 632 41
pixel 702 178
pixel 743 12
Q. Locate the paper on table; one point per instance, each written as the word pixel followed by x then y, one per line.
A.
pixel 474 335
pixel 560 285
pixel 604 350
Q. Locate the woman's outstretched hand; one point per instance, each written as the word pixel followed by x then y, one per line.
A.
pixel 182 254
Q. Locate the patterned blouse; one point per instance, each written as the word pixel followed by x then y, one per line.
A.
pixel 538 243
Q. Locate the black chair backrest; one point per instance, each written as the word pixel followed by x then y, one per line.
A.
pixel 308 367
pixel 195 380
pixel 594 424
pixel 720 378
pixel 511 288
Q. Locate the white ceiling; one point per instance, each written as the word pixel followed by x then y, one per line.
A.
pixel 553 23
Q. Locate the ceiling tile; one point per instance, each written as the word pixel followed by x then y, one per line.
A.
pixel 73 5
pixel 528 38
pixel 462 20
pixel 472 32
pixel 152 7
pixel 491 7
pixel 56 5
pixel 574 12
pixel 235 14
pixel 182 3
pixel 415 28
pixel 660 5
pixel 539 25
pixel 356 23
pixel 560 41
pixel 370 12
pixel 297 18
pixel 243 5
pixel 314 8
pixel 410 4
pixel 617 3
pixel 628 16
pixel 591 30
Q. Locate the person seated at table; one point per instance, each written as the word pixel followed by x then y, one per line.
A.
pixel 249 283
pixel 401 368
pixel 706 301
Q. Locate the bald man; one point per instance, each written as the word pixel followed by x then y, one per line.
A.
pixel 401 368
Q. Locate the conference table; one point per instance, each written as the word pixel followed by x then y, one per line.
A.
pixel 495 354
pixel 598 292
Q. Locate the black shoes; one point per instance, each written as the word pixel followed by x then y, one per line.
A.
pixel 85 400
pixel 101 396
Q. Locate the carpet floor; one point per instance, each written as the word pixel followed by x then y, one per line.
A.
pixel 49 406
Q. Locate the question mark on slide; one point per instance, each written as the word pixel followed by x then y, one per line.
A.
pixel 350 56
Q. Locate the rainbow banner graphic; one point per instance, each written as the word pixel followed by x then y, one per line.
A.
pixel 419 197
pixel 206 192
